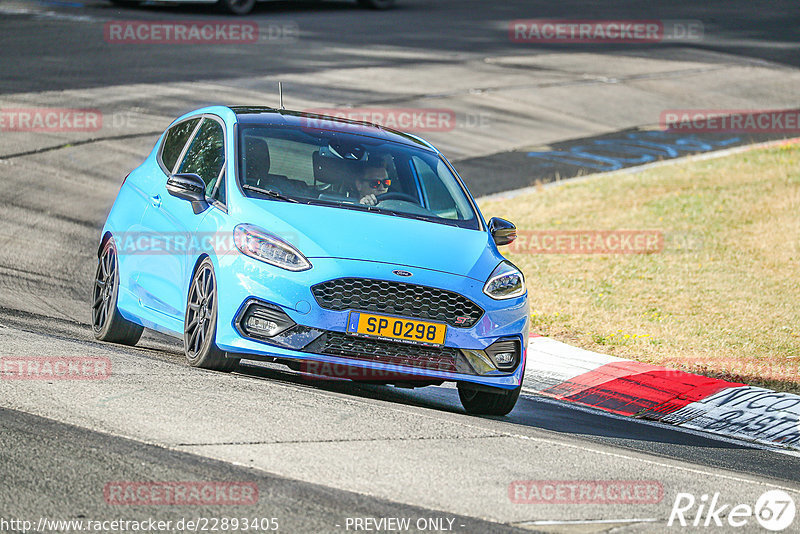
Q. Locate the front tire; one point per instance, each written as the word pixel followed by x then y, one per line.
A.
pixel 237 7
pixel 481 402
pixel 107 323
pixel 200 323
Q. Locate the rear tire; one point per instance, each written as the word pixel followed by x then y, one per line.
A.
pixel 200 323
pixel 107 323
pixel 376 4
pixel 480 402
pixel 237 7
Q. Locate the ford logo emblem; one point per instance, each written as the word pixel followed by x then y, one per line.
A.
pixel 402 273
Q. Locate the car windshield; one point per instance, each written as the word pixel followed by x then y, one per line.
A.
pixel 351 171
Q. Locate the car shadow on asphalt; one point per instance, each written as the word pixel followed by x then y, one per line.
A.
pixel 426 397
pixel 561 421
pixel 531 411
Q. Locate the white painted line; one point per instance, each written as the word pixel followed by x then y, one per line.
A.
pixel 588 521
pixel 705 473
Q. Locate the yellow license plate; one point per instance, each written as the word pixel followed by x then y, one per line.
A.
pixel 396 328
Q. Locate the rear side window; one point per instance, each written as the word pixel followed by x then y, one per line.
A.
pixel 206 154
pixel 174 141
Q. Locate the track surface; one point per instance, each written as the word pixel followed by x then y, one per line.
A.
pixel 322 452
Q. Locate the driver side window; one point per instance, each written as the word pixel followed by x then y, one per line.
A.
pixel 206 155
pixel 439 199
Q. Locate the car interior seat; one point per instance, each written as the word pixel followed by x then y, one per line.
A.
pixel 257 166
pixel 339 173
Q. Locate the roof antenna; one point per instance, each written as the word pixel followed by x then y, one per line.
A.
pixel 280 93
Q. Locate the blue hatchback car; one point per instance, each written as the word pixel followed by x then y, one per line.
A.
pixel 319 243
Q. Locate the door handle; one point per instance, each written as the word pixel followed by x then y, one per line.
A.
pixel 156 200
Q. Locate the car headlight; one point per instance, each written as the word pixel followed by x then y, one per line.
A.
pixel 261 245
pixel 505 282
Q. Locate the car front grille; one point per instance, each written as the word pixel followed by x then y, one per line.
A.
pixel 397 298
pixel 388 352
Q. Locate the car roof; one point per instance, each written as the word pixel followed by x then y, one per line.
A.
pixel 288 118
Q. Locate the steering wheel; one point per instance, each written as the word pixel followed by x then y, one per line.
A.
pixel 396 196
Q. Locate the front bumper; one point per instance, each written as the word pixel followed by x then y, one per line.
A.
pixel 321 337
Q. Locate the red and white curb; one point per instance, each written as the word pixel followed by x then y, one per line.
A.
pixel 630 388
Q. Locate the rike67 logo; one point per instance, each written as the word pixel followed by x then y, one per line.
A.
pixel 774 511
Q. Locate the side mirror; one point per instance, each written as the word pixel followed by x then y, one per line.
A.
pixel 503 232
pixel 191 187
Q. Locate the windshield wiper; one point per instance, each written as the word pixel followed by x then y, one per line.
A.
pixel 270 193
pixel 415 216
pixel 385 211
pixel 427 218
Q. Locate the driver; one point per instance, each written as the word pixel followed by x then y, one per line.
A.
pixel 373 181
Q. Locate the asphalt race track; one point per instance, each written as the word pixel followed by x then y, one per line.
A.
pixel 324 453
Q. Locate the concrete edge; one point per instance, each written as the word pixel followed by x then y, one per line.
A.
pixel 633 389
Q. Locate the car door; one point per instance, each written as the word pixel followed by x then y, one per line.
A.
pixel 136 250
pixel 173 223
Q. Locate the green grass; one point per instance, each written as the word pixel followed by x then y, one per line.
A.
pixel 723 296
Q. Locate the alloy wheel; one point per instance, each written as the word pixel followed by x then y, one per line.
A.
pixel 105 279
pixel 199 320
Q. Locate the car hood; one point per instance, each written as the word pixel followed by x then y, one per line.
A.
pixel 330 232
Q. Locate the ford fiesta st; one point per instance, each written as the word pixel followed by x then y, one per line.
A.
pixel 310 241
